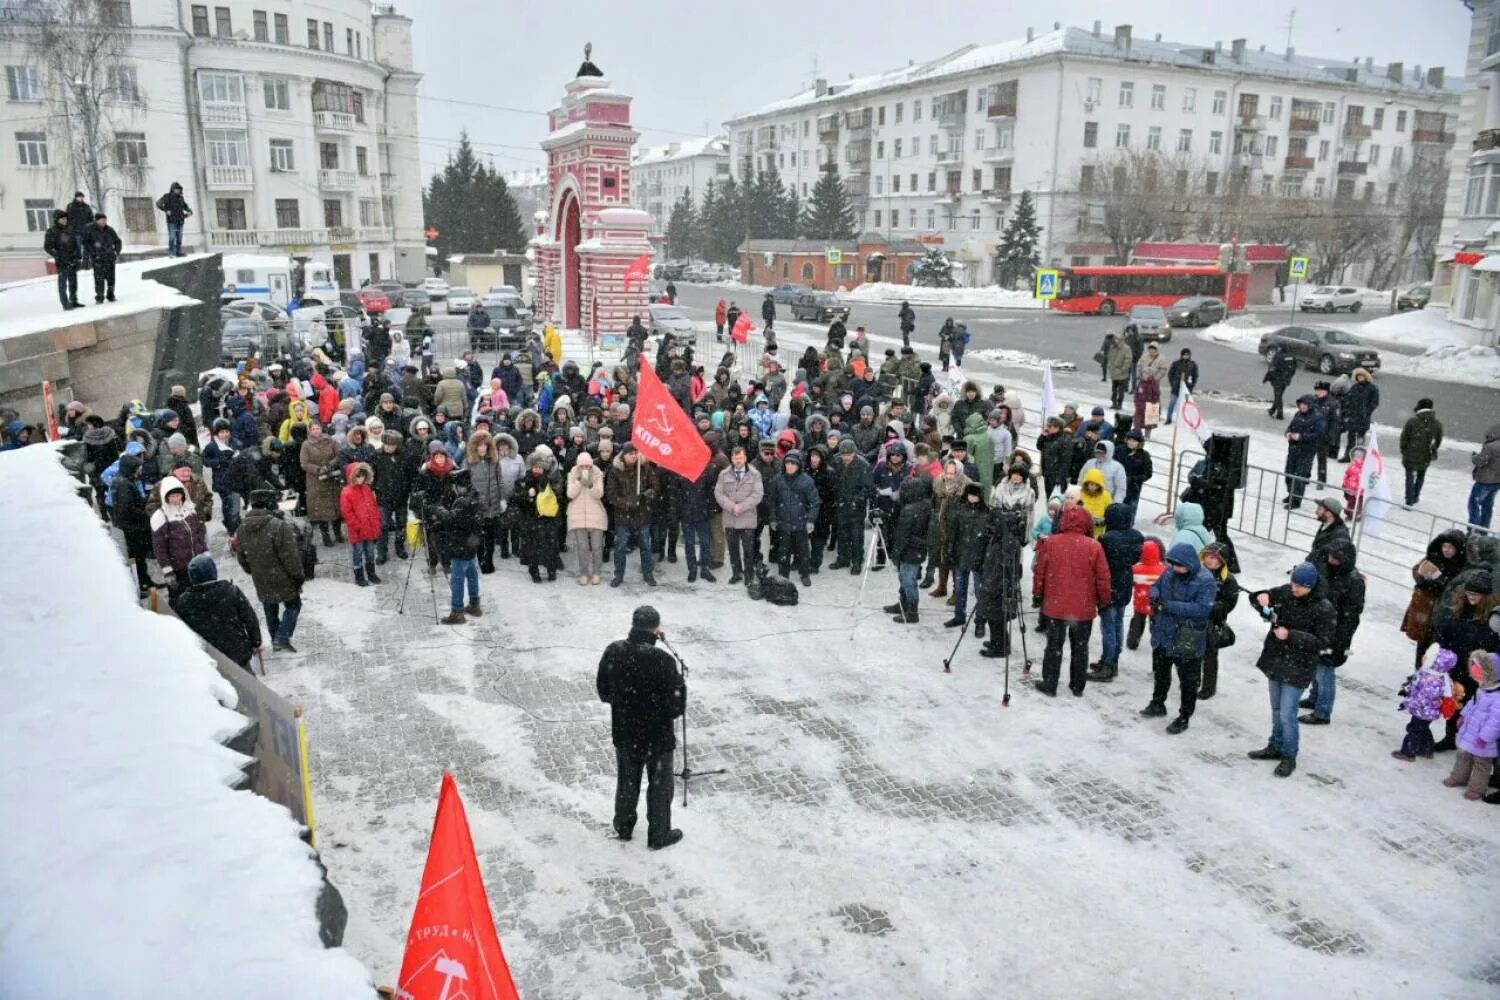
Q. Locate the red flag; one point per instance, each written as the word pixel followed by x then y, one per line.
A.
pixel 741 331
pixel 663 433
pixel 452 949
pixel 639 269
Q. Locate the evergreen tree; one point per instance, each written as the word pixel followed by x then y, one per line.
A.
pixel 828 215
pixel 725 225
pixel 682 229
pixel 933 271
pixel 789 225
pixel 703 228
pixel 1017 256
pixel 471 206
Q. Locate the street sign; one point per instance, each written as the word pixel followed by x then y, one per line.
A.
pixel 432 233
pixel 1046 285
pixel 835 256
pixel 1297 268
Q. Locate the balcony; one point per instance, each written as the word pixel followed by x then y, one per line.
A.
pixel 857 187
pixel 952 120
pixel 857 152
pixel 1299 163
pixel 950 194
pixel 996 196
pixel 1247 161
pixel 336 180
pixel 1303 125
pixel 333 121
pixel 1001 112
pixel 221 113
pixel 998 155
pixel 828 125
pixel 229 179
pixel 1356 130
pixel 267 237
pixel 949 156
pixel 1488 138
pixel 373 234
pixel 341 234
pixel 828 167
pixel 1353 168
pixel 1251 123
pixel 388 182
pixel 857 132
pixel 1435 137
pixel 765 141
pixel 1001 100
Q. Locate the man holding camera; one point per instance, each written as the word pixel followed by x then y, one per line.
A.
pixel 645 693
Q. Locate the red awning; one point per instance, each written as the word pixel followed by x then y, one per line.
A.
pixel 1467 257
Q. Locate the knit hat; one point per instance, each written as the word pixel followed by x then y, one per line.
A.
pixel 847 447
pixel 1480 582
pixel 1056 422
pixel 1305 575
pixel 177 441
pixel 1424 404
pixel 202 569
pixel 1097 411
pixel 76 407
pixel 435 447
pixel 645 617
pixel 1323 384
pixel 1333 506
pixel 179 390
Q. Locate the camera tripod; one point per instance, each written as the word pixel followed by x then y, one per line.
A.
pixel 411 563
pixel 875 545
pixel 687 774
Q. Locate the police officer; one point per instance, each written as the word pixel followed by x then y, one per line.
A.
pixel 645 693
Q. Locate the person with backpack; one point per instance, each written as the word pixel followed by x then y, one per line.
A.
pixel 1182 601
pixel 270 550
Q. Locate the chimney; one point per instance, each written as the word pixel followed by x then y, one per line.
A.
pixel 1369 64
pixel 1395 71
pixel 1122 37
pixel 1097 26
pixel 1057 26
pixel 1291 53
pixel 1237 50
pixel 1218 46
pixel 1029 34
pixel 820 86
pixel 1158 36
pixel 1416 74
pixel 1435 77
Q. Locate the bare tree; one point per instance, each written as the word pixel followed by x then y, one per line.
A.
pixel 1133 195
pixel 1344 232
pixel 91 92
pixel 1420 193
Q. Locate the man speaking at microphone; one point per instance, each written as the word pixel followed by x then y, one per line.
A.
pixel 645 693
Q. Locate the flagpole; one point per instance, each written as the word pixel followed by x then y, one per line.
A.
pixel 1172 469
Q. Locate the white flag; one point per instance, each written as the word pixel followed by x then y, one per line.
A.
pixel 1374 488
pixel 1049 395
pixel 1192 417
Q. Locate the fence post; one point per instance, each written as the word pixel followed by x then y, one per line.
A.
pixel 1172 469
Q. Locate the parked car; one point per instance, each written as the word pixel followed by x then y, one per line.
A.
pixel 417 298
pixel 460 299
pixel 495 299
pixel 1324 348
pixel 665 318
pixel 509 329
pixel 1415 297
pixel 1330 298
pixel 333 317
pixel 785 293
pixel 1196 310
pixel 373 300
pixel 273 315
pixel 394 291
pixel 671 270
pixel 503 290
pixel 244 337
pixel 819 307
pixel 436 288
pixel 1149 323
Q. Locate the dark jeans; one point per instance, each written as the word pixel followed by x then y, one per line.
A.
pixel 1418 741
pixel 389 522
pixel 850 537
pixel 640 536
pixel 1117 389
pixel 1482 504
pixel 174 239
pixel 741 545
pixel 281 619
pixel 67 285
pixel 104 279
pixel 1277 392
pixel 794 548
pixel 1077 636
pixel 1298 469
pixel 1189 674
pixel 822 529
pixel 629 763
pixel 1414 480
pixel 489 533
pixel 697 545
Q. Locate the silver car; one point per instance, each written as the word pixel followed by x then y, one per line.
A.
pixel 670 319
pixel 460 300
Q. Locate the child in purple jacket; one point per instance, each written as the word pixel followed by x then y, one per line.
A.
pixel 1478 729
pixel 1423 695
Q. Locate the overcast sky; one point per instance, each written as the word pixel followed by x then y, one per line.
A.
pixel 690 65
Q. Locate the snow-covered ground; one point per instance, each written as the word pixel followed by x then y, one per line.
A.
pixel 130 867
pixel 1419 329
pixel 992 296
pixel 31 306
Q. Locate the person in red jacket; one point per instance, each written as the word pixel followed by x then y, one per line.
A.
pixel 362 516
pixel 1072 578
pixel 1145 573
pixel 721 315
pixel 328 398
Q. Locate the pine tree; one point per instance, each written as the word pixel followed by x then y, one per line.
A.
pixel 1017 256
pixel 682 229
pixel 725 224
pixel 703 227
pixel 471 207
pixel 762 207
pixel 828 215
pixel 933 271
pixel 789 225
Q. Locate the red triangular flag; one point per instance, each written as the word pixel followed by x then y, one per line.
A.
pixel 663 433
pixel 638 270
pixel 452 949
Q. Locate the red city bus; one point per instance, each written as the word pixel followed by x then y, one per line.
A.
pixel 1111 290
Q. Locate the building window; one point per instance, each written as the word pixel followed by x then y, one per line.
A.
pixel 1319 187
pixel 912 187
pixel 140 215
pixel 230 213
pixel 896 150
pixel 1215 143
pixel 39 214
pixel 362 161
pixel 333 213
pixel 1272 142
pixel 1211 183
pixel 1153 137
pixel 32 148
pixel 283 160
pixel 312 33
pixel 327 36
pixel 283 32
pixel 1291 186
pixel 288 214
pixel 1378 119
pixel 895 184
pixel 978 184
pixel 877 213
pixel 1369 190
pixel 932 180
pixel 1090 135
pixel 200 20
pixel 220 88
pixel 931 219
pixel 24 83
pixel 911 218
pixel 900 106
pixel 349 41
pixel 1221 98
pixel 262 25
pixel 932 145
pixel 979 138
pixel 369 212
pixel 1004 138
pixel 130 149
pixel 974 221
pixel 916 111
pixel 1159 98
pixel 278 95
pixel 1095 91
pixel 1086 179
pixel 222 26
pixel 1329 109
pixel 122 85
pixel 1401 115
pixel 1122 136
pixel 1275 113
pixel 1374 154
pixel 879 184
pixel 1396 156
pixel 329 96
pixel 1323 150
pixel 1185 140
pixel 1127 94
pixel 880 149
pixel 226 148
pixel 1390 193
pixel 1267 185
pixel 328 155
pixel 359 53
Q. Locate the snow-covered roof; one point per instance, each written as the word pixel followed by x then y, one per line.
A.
pixel 31 306
pixel 683 149
pixel 1082 42
pixel 131 867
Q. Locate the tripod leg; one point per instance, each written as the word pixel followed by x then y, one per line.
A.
pixel 948 663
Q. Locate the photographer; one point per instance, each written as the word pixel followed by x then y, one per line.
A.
pixel 645 693
pixel 1299 619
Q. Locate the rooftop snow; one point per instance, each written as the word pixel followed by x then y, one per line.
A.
pixel 709 145
pixel 31 306
pixel 131 868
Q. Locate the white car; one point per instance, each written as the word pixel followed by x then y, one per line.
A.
pixel 460 299
pixel 1330 298
pixel 436 288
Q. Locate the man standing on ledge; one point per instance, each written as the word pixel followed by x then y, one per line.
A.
pixel 645 693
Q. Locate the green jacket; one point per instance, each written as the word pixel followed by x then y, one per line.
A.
pixel 981 448
pixel 1420 440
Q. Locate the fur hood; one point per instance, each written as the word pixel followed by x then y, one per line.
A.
pixel 471 449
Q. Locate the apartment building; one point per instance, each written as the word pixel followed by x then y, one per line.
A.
pixel 292 126
pixel 940 149
pixel 663 174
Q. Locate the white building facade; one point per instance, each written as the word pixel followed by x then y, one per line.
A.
pixel 292 128
pixel 940 150
pixel 663 174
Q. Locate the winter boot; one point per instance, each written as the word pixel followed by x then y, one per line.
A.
pixel 1210 684
pixel 1133 633
pixel 978 627
pixel 708 577
pixel 370 574
pixel 327 537
pixel 954 622
pixel 401 552
pixel 536 574
pixel 1286 767
pixel 692 575
pixel 382 558
pixel 1154 710
pixel 892 609
pixel 649 578
pixel 998 647
pixel 1267 752
pixel 359 578
pixel 906 616
pixel 454 618
pixel 338 531
pixel 473 609
pixel 941 590
pixel 1179 725
pixel 1105 672
pixel 805 580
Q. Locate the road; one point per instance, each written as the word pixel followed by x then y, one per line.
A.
pixel 1234 377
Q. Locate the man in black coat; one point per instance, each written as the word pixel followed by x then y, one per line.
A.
pixel 218 611
pixel 1299 621
pixel 1331 533
pixel 377 344
pixel 61 245
pixel 1344 586
pixel 1280 374
pixel 1332 409
pixel 1304 436
pixel 999 599
pixel 645 693
pixel 175 207
pixel 80 217
pixel 102 245
pixel 1183 375
pixel 768 311
pixel 909 545
pixel 851 506
pixel 908 320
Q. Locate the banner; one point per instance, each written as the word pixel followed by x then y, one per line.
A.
pixel 1192 418
pixel 1049 394
pixel 639 270
pixel 663 433
pixel 1374 488
pixel 452 949
pixel 49 403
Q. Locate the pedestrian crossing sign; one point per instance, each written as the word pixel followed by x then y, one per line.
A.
pixel 1297 268
pixel 835 256
pixel 1046 285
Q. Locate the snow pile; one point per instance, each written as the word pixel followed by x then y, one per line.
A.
pixel 1019 359
pixel 992 296
pixel 31 306
pixel 1418 328
pixel 1470 365
pixel 1242 333
pixel 130 867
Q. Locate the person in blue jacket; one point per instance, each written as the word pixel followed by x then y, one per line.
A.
pixel 794 508
pixel 1304 436
pixel 1182 600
